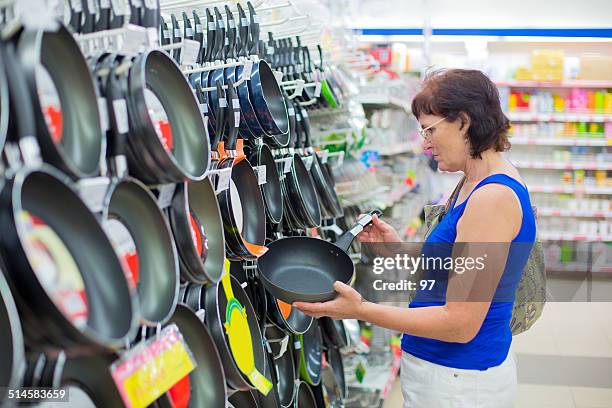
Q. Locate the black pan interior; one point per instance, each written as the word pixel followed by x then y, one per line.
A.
pixel 203 202
pixel 286 378
pixel 273 97
pixel 243 399
pixel 305 265
pixel 305 397
pixel 82 138
pixel 307 191
pixel 313 353
pixel 158 282
pixel 12 358
pixel 92 376
pixel 111 306
pixel 165 80
pixel 207 380
pixel 253 211
pixel 272 188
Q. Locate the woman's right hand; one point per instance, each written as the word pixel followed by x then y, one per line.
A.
pixel 378 231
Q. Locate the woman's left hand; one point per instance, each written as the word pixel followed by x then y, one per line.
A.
pixel 347 305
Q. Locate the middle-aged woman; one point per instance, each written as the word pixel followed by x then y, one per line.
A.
pixel 456 353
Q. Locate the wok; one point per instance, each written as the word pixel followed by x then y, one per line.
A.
pixel 305 269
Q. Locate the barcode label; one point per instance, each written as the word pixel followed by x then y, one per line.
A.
pixel 121 115
pixel 165 195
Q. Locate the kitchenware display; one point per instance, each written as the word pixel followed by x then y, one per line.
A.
pixel 286 369
pixel 34 368
pixel 311 354
pixel 304 397
pixel 328 393
pixel 133 221
pixel 56 265
pixel 333 332
pixel 64 101
pixel 244 399
pixel 51 376
pixel 305 269
pixel 12 354
pixel 334 360
pixel 233 324
pixel 272 399
pixel 207 381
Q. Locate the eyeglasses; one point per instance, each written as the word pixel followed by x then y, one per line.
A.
pixel 424 132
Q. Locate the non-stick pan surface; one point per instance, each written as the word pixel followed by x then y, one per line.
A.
pixel 208 379
pixel 305 398
pixel 311 354
pixel 55 55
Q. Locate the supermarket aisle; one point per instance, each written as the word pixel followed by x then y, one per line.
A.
pixel 564 361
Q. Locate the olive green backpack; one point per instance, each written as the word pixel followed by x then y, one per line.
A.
pixel 531 291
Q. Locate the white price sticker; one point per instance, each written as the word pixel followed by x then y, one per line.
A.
pixel 204 108
pixel 77 6
pixel 166 33
pixel 221 24
pixel 212 26
pixel 118 7
pixel 150 4
pixel 297 345
pixel 103 114
pixel 248 69
pixel 256 19
pixel 121 115
pixel 91 6
pixel 291 111
pixel 317 92
pixel 224 177
pixel 177 32
pixel 236 119
pixel 198 28
pixel 324 155
pixel 104 4
pixel 190 51
pixel 236 103
pixel 93 191
pixel 188 31
pixel 244 22
pixel 223 103
pixel 201 314
pixel 166 193
pixel 232 24
pixel 308 162
pixel 261 174
pixel 270 50
pixel 288 164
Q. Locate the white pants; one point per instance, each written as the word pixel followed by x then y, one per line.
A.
pixel 427 385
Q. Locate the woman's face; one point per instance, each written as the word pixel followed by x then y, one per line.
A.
pixel 447 141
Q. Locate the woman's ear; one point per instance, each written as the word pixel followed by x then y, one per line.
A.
pixel 465 122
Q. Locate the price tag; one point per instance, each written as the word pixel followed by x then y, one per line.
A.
pixel 297 345
pixel 201 314
pixel 288 164
pixel 212 26
pixel 236 103
pixel 198 28
pixel 77 6
pixel 308 162
pixel 261 174
pixel 237 119
pixel 146 372
pixel 324 155
pixel 93 191
pixel 166 193
pixel 91 6
pixel 204 108
pixel 104 4
pixel 121 115
pixel 248 69
pixel 223 103
pixel 177 32
pixel 188 31
pixel 119 7
pixel 244 22
pixel 232 24
pixel 190 51
pixel 103 114
pixel 223 179
pixel 256 19
pixel 221 24
pixel 166 33
pixel 318 87
pixel 134 39
pixel 150 4
pixel 226 41
pixel 298 117
pixel 291 111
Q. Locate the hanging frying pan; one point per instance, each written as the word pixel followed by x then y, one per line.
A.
pixel 52 373
pixel 305 269
pixel 333 332
pixel 264 91
pixel 305 398
pixel 12 355
pixel 231 319
pixel 133 221
pixel 104 11
pixel 168 135
pixel 34 368
pixel 327 393
pixel 243 271
pixel 322 179
pixel 285 367
pixel 58 266
pixel 287 317
pixel 242 205
pixel 217 75
pixel 4 107
pixel 244 399
pixel 207 381
pixel 334 359
pixel 198 229
pixel 64 100
pixel 272 399
pixel 260 155
pixel 311 354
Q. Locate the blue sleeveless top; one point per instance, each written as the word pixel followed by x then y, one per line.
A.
pixel 491 345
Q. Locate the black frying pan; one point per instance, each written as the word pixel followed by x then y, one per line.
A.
pixel 4 107
pixel 311 354
pixel 333 332
pixel 195 213
pixel 208 379
pixel 46 194
pixel 244 399
pixel 305 269
pixel 285 366
pixel 334 359
pixel 73 140
pixel 12 355
pixel 259 154
pixel 272 399
pixel 305 398
pixel 155 76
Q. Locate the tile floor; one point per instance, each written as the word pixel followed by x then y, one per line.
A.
pixel 564 361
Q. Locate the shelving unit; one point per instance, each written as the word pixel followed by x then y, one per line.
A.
pixel 561 141
pixel 517 116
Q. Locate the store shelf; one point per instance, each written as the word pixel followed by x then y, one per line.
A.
pixel 561 141
pixel 384 101
pixel 521 164
pixel 556 84
pixel 553 236
pixel 552 212
pixel 395 150
pixel 558 117
pixel 570 190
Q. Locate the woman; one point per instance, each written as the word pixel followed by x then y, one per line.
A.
pixel 456 353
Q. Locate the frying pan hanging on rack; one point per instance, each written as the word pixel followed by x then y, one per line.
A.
pixel 305 269
pixel 305 398
pixel 51 259
pixel 64 101
pixel 260 155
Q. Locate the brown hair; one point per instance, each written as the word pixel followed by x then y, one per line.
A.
pixel 449 93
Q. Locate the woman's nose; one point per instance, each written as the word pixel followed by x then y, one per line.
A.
pixel 427 144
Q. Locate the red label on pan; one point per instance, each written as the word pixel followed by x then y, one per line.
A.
pixel 164 132
pixel 195 234
pixel 180 393
pixel 125 246
pixel 53 118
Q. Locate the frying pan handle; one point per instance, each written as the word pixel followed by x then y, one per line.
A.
pixel 233 115
pixel 220 36
pixel 244 32
pixel 118 14
pixel 346 239
pixel 187 28
pixel 176 37
pixel 117 143
pixel 198 34
pixel 305 126
pixel 320 50
pixel 222 107
pixel 231 33
pixel 151 15
pixel 254 41
pixel 210 36
pixel 76 13
pixel 165 35
pixel 103 16
pixel 135 6
pixel 307 60
pixel 297 141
